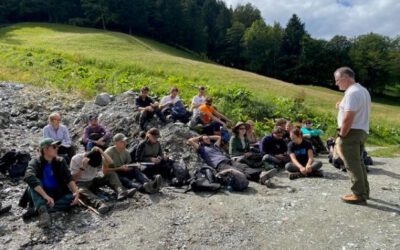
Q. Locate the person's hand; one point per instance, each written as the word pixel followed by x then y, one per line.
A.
pixel 97 149
pixel 123 168
pixel 166 158
pixel 309 169
pixel 100 142
pixel 76 198
pixel 49 201
pixel 155 160
pixel 303 170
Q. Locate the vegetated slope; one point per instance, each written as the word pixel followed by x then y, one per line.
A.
pixel 90 61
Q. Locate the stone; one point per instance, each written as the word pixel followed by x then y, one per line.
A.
pixel 102 99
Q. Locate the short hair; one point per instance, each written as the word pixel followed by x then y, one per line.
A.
pixel 202 88
pixel 209 99
pixel 174 89
pixel 54 115
pixel 346 71
pixel 277 130
pixel 281 122
pixel 297 131
pixel 145 88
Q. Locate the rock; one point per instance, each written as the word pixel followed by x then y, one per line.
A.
pixel 4 119
pixel 103 99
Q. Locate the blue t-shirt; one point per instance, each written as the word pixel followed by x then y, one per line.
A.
pixel 48 180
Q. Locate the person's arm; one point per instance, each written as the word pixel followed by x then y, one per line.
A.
pixel 46 132
pixel 66 141
pixel 348 119
pixel 75 192
pixel 49 200
pixel 310 154
pixel 217 139
pixel 164 103
pixel 85 136
pixel 296 162
pixel 194 142
pixel 234 147
pixel 220 116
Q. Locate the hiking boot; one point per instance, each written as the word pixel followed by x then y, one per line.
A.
pixel 5 209
pixel 354 199
pixel 265 175
pixel 293 176
pixel 158 182
pixel 44 218
pixel 103 208
pixel 29 214
pixel 148 187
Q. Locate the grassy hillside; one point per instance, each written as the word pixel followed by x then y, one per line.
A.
pixel 88 61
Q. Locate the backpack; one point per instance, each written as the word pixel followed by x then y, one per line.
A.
pixel 233 179
pixel 178 111
pixel 225 136
pixel 180 174
pixel 204 179
pixel 15 162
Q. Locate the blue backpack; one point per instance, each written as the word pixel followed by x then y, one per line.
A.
pixel 178 111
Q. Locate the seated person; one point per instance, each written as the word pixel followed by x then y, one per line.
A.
pixel 313 135
pixel 216 158
pixel 95 135
pixel 274 148
pixel 302 157
pixel 50 184
pixel 251 136
pixel 85 171
pixel 239 147
pixel 210 118
pixel 150 151
pixel 286 126
pixel 59 132
pixel 198 100
pixel 131 177
pixel 172 106
pixel 147 108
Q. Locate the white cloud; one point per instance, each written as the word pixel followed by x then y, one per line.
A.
pixel 326 18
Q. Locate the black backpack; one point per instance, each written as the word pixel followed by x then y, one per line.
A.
pixel 204 179
pixel 15 162
pixel 180 174
pixel 178 111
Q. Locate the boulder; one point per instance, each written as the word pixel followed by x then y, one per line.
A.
pixel 102 99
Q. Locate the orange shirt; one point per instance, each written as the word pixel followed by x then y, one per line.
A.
pixel 206 112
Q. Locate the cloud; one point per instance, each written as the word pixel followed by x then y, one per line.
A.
pixel 327 18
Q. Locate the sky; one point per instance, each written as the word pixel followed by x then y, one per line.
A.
pixel 327 18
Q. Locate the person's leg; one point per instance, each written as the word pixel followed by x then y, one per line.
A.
pixel 37 199
pixel 364 169
pixel 290 167
pixel 86 195
pixel 316 165
pixel 253 174
pixel 350 147
pixel 112 180
pixel 160 115
pixel 62 204
pixel 144 117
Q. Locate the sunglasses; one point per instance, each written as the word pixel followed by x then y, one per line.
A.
pixel 242 128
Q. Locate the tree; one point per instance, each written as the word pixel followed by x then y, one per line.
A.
pixel 99 11
pixel 256 43
pixel 232 55
pixel 370 57
pixel 246 14
pixel 133 15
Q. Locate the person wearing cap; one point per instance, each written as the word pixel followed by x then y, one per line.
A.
pixel 130 177
pixel 211 119
pixel 85 171
pixel 274 148
pixel 147 108
pixel 150 151
pixel 215 157
pixel 198 100
pixel 59 132
pixel 94 134
pixel 50 184
pixel 239 147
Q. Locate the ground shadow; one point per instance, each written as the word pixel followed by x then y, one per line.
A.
pixel 377 163
pixel 336 176
pixel 380 171
pixel 384 206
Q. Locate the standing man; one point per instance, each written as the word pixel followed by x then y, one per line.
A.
pixel 353 121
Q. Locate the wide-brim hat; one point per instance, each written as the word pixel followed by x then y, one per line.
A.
pixel 235 129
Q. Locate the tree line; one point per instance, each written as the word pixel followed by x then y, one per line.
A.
pixel 237 37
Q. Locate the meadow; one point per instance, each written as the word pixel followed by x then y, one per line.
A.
pixel 86 62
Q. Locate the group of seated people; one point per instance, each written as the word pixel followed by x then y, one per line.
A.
pixel 59 178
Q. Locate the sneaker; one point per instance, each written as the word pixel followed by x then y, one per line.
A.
pixel 29 214
pixel 44 218
pixel 354 199
pixel 293 176
pixel 148 187
pixel 103 208
pixel 265 175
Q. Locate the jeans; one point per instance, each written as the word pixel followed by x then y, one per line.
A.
pixel 252 174
pixel 290 167
pixel 134 178
pixel 147 115
pixel 60 204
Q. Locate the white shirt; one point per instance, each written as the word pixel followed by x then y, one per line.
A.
pixel 196 101
pixel 90 172
pixel 357 99
pixel 167 99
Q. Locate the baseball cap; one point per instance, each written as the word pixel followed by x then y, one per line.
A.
pixel 119 137
pixel 48 142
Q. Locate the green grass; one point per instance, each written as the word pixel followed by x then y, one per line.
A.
pixel 88 61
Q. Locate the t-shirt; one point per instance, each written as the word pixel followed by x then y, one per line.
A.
pixel 357 99
pixel 212 155
pixel 271 145
pixel 167 99
pixel 119 158
pixel 197 100
pixel 143 103
pixel 49 181
pixel 207 112
pixel 300 150
pixel 88 174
